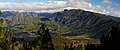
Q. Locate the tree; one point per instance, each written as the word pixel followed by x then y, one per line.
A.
pixel 6 37
pixel 66 47
pixel 8 23
pixel 40 32
pixel 0 13
pixel 109 41
pixel 1 21
pixel 44 39
pixel 71 47
pixel 112 40
pixel 91 47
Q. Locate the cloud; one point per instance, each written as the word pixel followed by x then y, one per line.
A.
pixel 32 6
pixel 98 7
pixel 80 3
pixel 86 5
pixel 106 1
pixel 110 8
pixel 50 5
pixel 58 5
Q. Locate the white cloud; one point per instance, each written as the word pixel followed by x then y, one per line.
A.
pixel 32 6
pixel 58 5
pixel 83 4
pixel 99 7
pixel 86 5
pixel 110 8
pixel 51 6
pixel 106 1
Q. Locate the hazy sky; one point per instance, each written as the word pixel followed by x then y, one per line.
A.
pixel 111 7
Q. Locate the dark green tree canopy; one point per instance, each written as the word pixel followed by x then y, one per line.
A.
pixel 0 13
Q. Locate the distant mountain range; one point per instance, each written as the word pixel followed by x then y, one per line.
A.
pixel 75 21
pixel 13 13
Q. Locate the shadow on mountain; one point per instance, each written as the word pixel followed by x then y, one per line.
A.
pixel 111 41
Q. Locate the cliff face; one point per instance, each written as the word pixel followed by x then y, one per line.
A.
pixel 86 22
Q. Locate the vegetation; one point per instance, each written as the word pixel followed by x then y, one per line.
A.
pixel 29 24
pixel 108 42
pixel 44 39
pixel 6 37
pixel 80 22
pixel 0 13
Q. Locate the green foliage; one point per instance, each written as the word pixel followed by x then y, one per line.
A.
pixel 6 38
pixel 64 29
pixel 58 38
pixel 8 21
pixel 0 13
pixel 44 39
pixel 1 21
pixel 29 23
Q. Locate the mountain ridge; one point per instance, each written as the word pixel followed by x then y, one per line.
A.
pixel 86 22
pixel 78 21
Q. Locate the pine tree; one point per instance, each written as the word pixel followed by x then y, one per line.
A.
pixel 44 39
pixel 0 13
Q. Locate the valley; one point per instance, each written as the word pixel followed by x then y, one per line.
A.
pixel 73 28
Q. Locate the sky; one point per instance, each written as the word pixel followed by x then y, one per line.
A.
pixel 109 7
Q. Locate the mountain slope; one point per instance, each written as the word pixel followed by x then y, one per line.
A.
pixel 83 22
pixel 72 22
pixel 28 23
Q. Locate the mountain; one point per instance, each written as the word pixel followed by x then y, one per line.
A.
pixel 6 14
pixel 73 22
pixel 27 21
pixel 85 22
pixel 30 22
